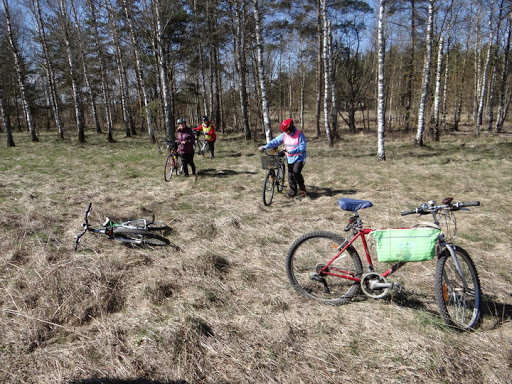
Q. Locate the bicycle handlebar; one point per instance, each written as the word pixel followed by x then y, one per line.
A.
pixel 425 209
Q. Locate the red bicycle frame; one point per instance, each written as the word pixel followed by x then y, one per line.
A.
pixel 361 233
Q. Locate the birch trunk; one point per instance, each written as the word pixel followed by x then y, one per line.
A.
pixel 20 72
pixel 164 81
pixel 332 86
pixel 327 73
pixel 484 82
pixel 504 75
pixel 426 75
pixel 437 92
pixel 319 67
pixel 7 122
pixel 64 19
pixel 121 73
pixel 381 104
pixel 103 76
pixel 261 72
pixel 52 89
pixel 140 75
pixel 241 64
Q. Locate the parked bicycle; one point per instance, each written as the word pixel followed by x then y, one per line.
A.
pixel 174 162
pixel 273 163
pixel 326 267
pixel 135 232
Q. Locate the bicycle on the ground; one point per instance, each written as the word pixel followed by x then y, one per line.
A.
pixel 134 232
pixel 200 144
pixel 174 161
pixel 274 164
pixel 326 267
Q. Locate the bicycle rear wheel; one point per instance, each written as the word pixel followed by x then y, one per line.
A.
pixel 179 165
pixel 170 166
pixel 307 257
pixel 268 188
pixel 144 224
pixel 458 291
pixel 139 237
pixel 280 177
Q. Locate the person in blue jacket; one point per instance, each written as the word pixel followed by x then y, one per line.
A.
pixel 294 143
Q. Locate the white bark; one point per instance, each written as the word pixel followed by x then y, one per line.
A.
pixel 327 70
pixel 261 72
pixel 381 104
pixel 426 75
pixel 437 92
pixel 19 72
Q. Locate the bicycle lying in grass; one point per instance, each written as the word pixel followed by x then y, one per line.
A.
pixel 326 267
pixel 135 232
pixel 174 162
pixel 273 163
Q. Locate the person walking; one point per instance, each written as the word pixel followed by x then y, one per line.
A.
pixel 210 136
pixel 294 143
pixel 185 139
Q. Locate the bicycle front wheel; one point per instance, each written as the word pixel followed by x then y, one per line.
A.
pixel 306 259
pixel 280 177
pixel 139 237
pixel 268 188
pixel 144 224
pixel 170 166
pixel 458 290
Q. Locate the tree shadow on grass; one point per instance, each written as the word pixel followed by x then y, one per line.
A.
pixel 101 380
pixel 316 192
pixel 222 172
pixel 499 312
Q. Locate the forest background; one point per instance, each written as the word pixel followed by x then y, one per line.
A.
pixel 89 88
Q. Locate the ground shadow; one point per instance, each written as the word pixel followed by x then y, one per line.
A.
pixel 316 192
pixel 101 380
pixel 500 312
pixel 222 172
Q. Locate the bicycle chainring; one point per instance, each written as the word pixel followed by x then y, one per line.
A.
pixel 369 288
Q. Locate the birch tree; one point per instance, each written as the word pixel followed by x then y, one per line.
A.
pixel 7 122
pixel 261 71
pixel 504 76
pixel 327 69
pixel 140 73
pixel 20 72
pixel 426 75
pixel 50 73
pixel 437 92
pixel 381 103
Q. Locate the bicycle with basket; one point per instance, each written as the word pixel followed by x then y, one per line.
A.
pixel 273 163
pixel 325 266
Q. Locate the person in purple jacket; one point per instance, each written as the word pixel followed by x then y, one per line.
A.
pixel 185 139
pixel 294 143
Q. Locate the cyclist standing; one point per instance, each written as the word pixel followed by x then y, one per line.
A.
pixel 294 143
pixel 208 130
pixel 185 139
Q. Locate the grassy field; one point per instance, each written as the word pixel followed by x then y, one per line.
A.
pixel 216 306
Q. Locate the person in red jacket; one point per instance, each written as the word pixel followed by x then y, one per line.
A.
pixel 208 130
pixel 185 139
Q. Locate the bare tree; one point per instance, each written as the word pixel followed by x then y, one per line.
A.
pixel 20 72
pixel 7 122
pixel 261 71
pixel 327 70
pixel 504 76
pixel 381 103
pixel 426 74
pixel 50 73
pixel 437 92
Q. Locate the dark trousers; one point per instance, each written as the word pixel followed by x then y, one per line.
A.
pixel 295 177
pixel 211 145
pixel 188 159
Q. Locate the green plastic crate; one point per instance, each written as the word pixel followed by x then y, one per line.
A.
pixel 406 245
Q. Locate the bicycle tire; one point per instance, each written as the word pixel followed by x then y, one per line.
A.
pixel 314 250
pixel 280 177
pixel 139 237
pixel 459 306
pixel 170 166
pixel 144 224
pixel 179 165
pixel 268 188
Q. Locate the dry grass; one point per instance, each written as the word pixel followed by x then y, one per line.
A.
pixel 216 307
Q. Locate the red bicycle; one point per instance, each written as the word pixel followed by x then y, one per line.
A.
pixel 326 267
